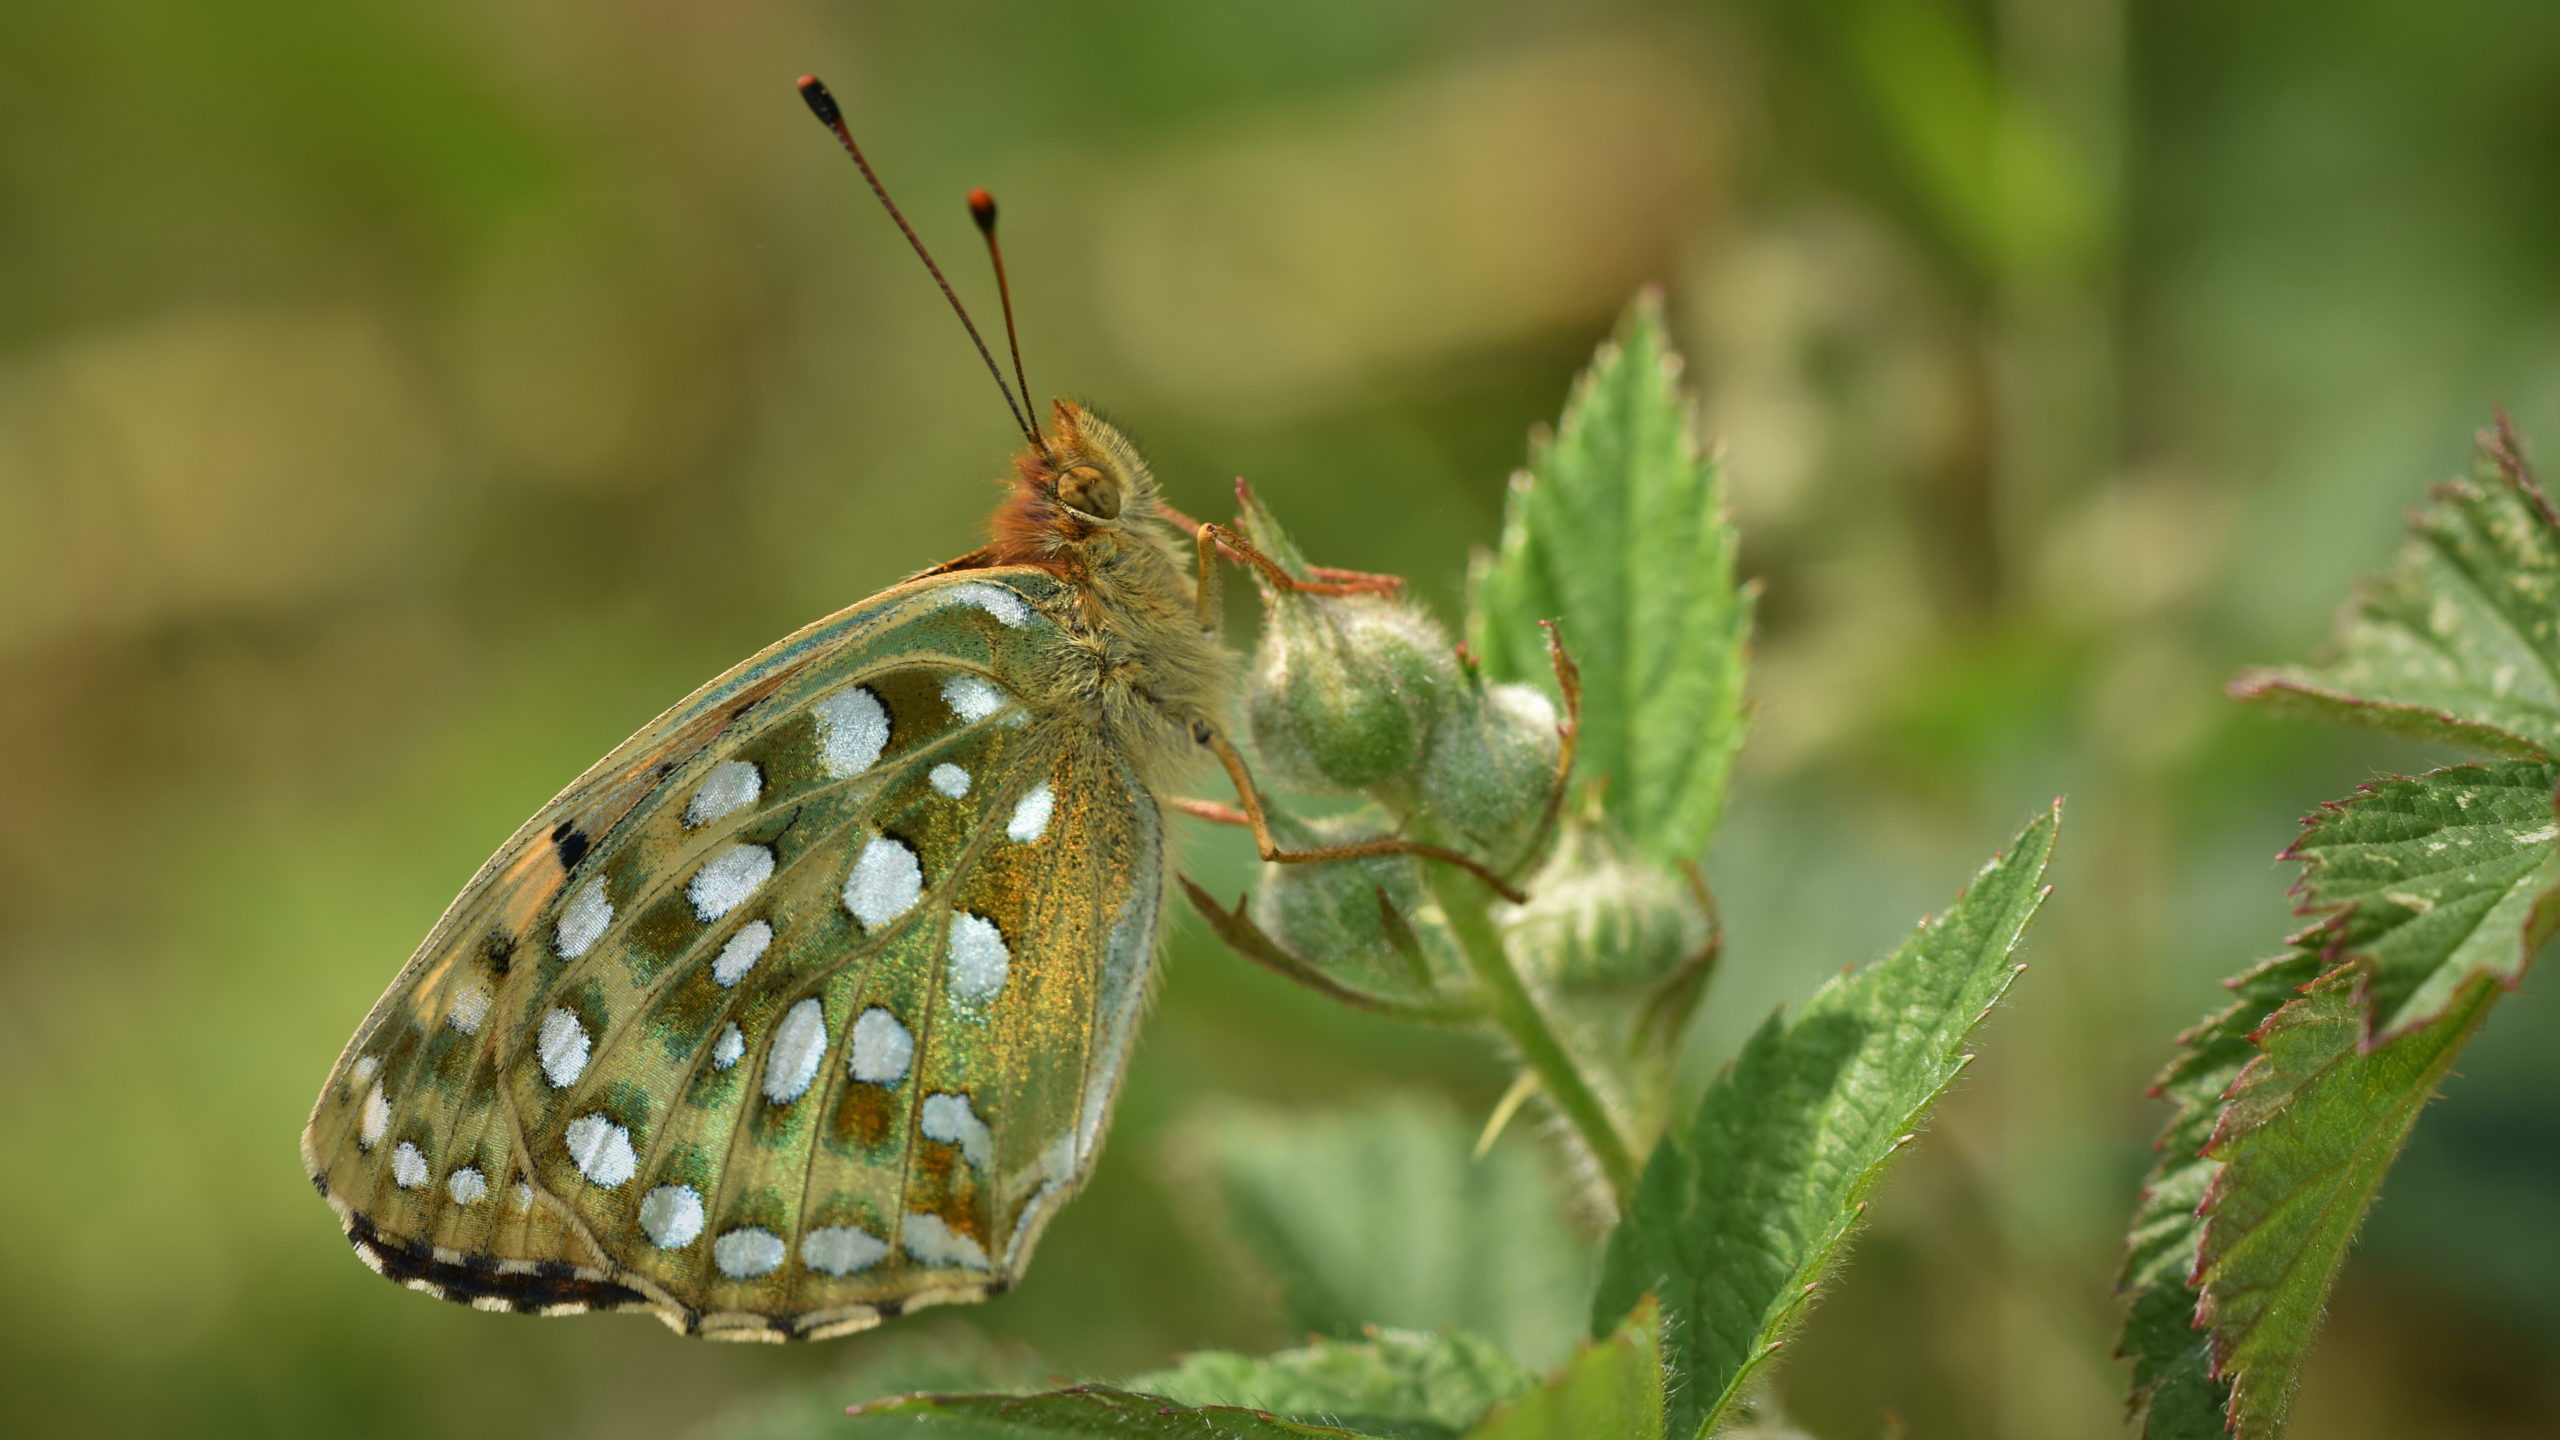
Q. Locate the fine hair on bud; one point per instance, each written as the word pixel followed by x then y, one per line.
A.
pixel 1331 914
pixel 1492 763
pixel 1345 692
pixel 1599 920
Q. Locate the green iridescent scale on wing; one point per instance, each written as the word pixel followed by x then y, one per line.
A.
pixel 803 1007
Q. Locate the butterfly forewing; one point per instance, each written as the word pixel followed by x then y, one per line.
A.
pixel 802 1007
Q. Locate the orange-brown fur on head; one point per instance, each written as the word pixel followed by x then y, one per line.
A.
pixel 1040 525
pixel 1143 669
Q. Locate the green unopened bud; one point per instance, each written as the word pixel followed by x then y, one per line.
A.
pixel 1618 949
pixel 1345 691
pixel 1492 763
pixel 1365 921
pixel 1598 921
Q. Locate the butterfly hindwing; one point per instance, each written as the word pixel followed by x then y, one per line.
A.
pixel 804 1006
pixel 939 1124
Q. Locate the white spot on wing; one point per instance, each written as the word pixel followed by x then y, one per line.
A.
pixel 952 1120
pixel 741 953
pixel 978 957
pixel 1031 814
pixel 799 1043
pixel 731 1044
pixel 933 1242
pixel 971 697
pixel 852 731
pixel 672 1214
pixel 1001 603
pixel 841 1249
pixel 523 1196
pixel 583 919
pixel 469 1009
pixel 881 1049
pixel 563 1046
pixel 1057 1167
pixel 744 1254
pixel 732 786
pixel 375 1119
pixel 365 1068
pixel 1058 1162
pixel 726 880
pixel 950 779
pixel 467 1185
pixel 601 1150
pixel 409 1167
pixel 885 883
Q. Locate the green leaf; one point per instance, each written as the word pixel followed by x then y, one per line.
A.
pixel 1384 1216
pixel 2310 1129
pixel 1093 1410
pixel 1395 1385
pixel 2436 880
pixel 1401 1383
pixel 1617 531
pixel 1613 1388
pixel 2461 641
pixel 2173 1382
pixel 2433 887
pixel 1739 1214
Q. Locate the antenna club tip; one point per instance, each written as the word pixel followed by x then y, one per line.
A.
pixel 821 104
pixel 982 207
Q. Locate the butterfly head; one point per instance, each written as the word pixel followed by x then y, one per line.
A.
pixel 1086 480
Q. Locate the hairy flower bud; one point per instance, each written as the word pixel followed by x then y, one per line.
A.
pixel 1329 912
pixel 1618 950
pixel 1492 763
pixel 1345 691
pixel 1598 921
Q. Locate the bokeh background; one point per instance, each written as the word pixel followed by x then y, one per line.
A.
pixel 398 405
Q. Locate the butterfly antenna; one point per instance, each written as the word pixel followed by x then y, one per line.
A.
pixel 982 208
pixel 823 105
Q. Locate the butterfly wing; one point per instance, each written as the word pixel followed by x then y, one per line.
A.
pixel 805 1006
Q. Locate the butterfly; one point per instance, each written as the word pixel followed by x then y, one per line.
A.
pixel 807 1005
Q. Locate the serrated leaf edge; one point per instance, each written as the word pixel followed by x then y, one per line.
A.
pixel 2287 689
pixel 1647 309
pixel 1825 1254
pixel 2330 924
pixel 2495 448
pixel 2220 1341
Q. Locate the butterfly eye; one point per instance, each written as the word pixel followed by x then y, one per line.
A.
pixel 1087 489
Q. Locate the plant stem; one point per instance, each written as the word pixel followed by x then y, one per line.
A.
pixel 1465 901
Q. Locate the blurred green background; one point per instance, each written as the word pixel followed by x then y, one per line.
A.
pixel 398 405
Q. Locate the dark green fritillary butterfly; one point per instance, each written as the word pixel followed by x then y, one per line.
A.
pixel 808 1004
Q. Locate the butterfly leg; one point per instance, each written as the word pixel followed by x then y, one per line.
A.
pixel 1249 940
pixel 1255 816
pixel 1216 539
pixel 1206 600
pixel 1318 581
